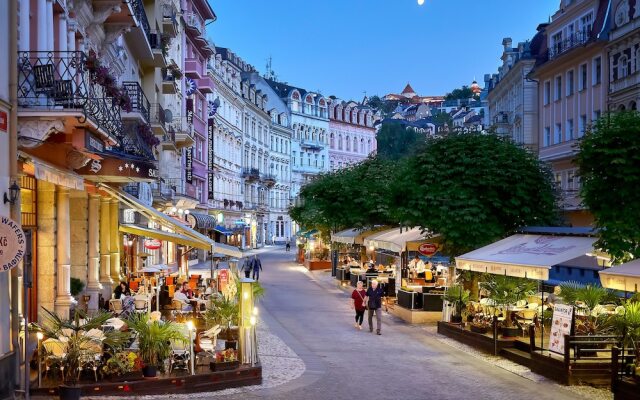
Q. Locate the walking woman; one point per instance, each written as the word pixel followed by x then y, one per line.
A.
pixel 358 304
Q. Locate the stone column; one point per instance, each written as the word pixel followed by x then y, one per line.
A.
pixel 41 27
pixel 115 241
pixel 93 252
pixel 25 26
pixel 46 246
pixel 49 25
pixel 78 202
pixel 63 253
pixel 105 248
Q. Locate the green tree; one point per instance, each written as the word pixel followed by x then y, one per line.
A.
pixel 384 106
pixel 609 168
pixel 396 141
pixel 474 189
pixel 463 93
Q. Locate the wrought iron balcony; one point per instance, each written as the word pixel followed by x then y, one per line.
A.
pixel 61 81
pixel 312 144
pixel 251 174
pixel 269 180
pixel 139 101
pixel 158 118
pixel 141 16
pixel 134 145
pixel 194 23
pixel 169 19
pixel 575 40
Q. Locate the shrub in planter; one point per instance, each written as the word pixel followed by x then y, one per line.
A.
pixel 458 297
pixel 505 292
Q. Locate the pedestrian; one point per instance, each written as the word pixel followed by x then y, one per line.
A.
pixel 357 303
pixel 247 267
pixel 374 305
pixel 288 246
pixel 257 267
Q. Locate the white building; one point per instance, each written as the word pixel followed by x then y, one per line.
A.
pixel 512 97
pixel 352 135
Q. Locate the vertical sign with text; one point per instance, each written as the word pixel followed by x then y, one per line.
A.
pixel 210 157
pixel 189 160
pixel 560 326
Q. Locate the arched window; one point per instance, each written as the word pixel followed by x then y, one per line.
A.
pixel 633 106
pixel 348 144
pixel 308 104
pixel 347 115
pixel 623 66
pixel 295 101
pixel 362 146
pixel 339 142
pixel 355 144
pixel 332 141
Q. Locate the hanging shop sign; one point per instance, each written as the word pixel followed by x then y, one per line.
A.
pixel 92 143
pixel 428 249
pixel 190 111
pixel 119 170
pixel 12 244
pixel 4 121
pixel 223 279
pixel 189 166
pixel 190 86
pixel 152 244
pixel 129 216
pixel 210 165
pixel 560 326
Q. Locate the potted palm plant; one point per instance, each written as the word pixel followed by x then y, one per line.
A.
pixel 505 292
pixel 458 297
pixel 82 341
pixel 224 312
pixel 627 324
pixel 154 341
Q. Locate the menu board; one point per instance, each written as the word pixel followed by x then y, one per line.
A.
pixel 560 326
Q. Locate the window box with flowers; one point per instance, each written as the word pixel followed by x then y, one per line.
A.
pixel 225 360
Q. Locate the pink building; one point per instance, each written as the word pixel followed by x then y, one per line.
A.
pixel 352 136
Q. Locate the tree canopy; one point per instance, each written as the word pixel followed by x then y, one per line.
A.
pixel 463 93
pixel 470 188
pixel 396 141
pixel 609 169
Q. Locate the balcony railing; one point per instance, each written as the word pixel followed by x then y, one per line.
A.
pixel 574 40
pixel 141 16
pixel 158 115
pixel 139 100
pixel 269 180
pixel 169 17
pixel 162 190
pixel 133 144
pixel 179 187
pixel 625 83
pixel 58 81
pixel 193 21
pixel 312 144
pixel 251 174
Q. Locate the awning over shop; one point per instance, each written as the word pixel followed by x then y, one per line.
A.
pixel 353 236
pixel 525 256
pixel 201 221
pixel 166 221
pixel 223 230
pixel 622 277
pixel 162 235
pixel 397 239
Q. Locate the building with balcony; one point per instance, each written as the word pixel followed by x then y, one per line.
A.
pixel 352 135
pixel 573 74
pixel 310 126
pixel 624 56
pixel 512 96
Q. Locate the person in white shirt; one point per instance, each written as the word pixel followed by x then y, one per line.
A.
pixel 183 299
pixel 417 267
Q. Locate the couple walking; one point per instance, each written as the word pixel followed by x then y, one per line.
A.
pixel 252 264
pixel 371 300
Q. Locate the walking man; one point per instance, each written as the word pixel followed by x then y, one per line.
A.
pixel 257 267
pixel 374 304
pixel 247 267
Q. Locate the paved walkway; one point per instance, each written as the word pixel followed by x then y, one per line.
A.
pixel 312 316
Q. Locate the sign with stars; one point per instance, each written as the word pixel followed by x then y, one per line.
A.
pixel 118 170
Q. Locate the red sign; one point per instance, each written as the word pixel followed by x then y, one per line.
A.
pixel 152 244
pixel 223 279
pixel 4 122
pixel 428 249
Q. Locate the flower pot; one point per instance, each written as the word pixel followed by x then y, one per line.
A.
pixel 224 366
pixel 149 371
pixel 69 392
pixel 511 332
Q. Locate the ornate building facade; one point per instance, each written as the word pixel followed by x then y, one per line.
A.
pixel 352 135
pixel 624 56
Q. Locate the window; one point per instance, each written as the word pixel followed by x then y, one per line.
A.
pixel 557 136
pixel 596 115
pixel 556 43
pixel 623 66
pixel 558 88
pixel 570 129
pixel 585 24
pixel 597 71
pixel 582 83
pixel 546 140
pixel 582 125
pixel 199 152
pixel 547 92
pixel 570 83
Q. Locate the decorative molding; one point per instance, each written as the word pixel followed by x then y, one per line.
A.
pixel 76 159
pixel 33 132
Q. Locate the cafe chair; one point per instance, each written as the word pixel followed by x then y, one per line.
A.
pixel 92 353
pixel 180 354
pixel 141 304
pixel 521 303
pixel 115 306
pixel 180 308
pixel 209 339
pixel 55 352
pixel 532 306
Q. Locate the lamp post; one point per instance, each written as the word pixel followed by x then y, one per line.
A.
pixel 191 355
pixel 247 348
pixel 40 337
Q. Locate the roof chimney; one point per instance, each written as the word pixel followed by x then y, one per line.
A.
pixel 506 42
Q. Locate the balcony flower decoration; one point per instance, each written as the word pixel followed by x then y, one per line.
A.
pixel 101 75
pixel 147 136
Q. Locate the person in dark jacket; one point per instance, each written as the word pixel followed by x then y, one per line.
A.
pixel 257 267
pixel 247 267
pixel 374 304
pixel 121 289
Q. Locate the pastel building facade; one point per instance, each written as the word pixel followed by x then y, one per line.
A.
pixel 352 135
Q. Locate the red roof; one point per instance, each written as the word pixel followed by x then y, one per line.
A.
pixel 408 89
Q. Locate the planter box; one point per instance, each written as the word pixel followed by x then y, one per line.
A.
pixel 128 377
pixel 479 329
pixel 313 265
pixel 224 366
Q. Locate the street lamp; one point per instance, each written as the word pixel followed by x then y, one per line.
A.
pixel 40 337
